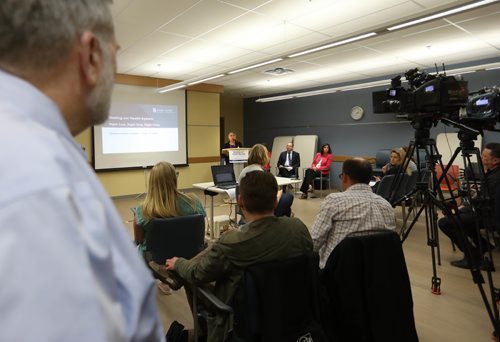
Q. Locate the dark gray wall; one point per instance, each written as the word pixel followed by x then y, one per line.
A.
pixel 328 117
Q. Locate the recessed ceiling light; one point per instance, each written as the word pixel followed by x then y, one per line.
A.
pixel 279 71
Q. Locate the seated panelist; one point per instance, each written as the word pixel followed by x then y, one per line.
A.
pixel 320 165
pixel 288 162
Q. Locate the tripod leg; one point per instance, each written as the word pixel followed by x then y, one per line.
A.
pixel 433 243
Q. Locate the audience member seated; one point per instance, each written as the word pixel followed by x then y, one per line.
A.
pixel 394 166
pixel 320 165
pixel 490 156
pixel 162 200
pixel 412 164
pixel 288 162
pixel 265 237
pixel 232 143
pixel 355 209
pixel 257 158
pixel 267 167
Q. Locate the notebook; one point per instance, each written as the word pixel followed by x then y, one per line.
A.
pixel 223 176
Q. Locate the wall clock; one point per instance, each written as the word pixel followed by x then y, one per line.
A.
pixel 357 113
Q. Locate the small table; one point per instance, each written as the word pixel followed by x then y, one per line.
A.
pixel 212 191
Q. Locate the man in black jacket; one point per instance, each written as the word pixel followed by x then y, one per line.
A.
pixel 288 162
pixel 490 157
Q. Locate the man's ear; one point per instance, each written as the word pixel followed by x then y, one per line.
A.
pixel 240 202
pixel 90 57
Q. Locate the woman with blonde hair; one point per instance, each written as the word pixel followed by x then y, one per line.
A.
pixel 257 158
pixel 393 167
pixel 397 157
pixel 162 200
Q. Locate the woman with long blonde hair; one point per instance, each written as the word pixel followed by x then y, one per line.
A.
pixel 257 158
pixel 163 200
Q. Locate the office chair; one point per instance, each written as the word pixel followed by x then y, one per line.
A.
pixel 295 172
pixel 322 178
pixel 453 176
pixel 381 158
pixel 276 301
pixel 385 187
pixel 369 289
pixel 181 236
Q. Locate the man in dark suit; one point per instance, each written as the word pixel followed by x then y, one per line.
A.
pixel 288 162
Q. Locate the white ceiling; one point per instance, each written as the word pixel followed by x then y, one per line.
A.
pixel 188 40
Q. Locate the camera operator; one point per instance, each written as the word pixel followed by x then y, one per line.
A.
pixel 490 157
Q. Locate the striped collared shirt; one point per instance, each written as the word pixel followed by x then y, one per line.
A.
pixel 355 209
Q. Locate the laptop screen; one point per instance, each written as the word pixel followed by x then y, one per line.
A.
pixel 223 174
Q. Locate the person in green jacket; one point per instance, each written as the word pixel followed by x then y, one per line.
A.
pixel 264 237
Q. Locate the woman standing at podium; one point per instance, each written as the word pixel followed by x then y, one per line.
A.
pixel 232 143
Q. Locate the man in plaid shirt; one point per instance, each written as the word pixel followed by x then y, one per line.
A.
pixel 355 209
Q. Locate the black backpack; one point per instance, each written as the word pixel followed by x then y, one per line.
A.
pixel 176 333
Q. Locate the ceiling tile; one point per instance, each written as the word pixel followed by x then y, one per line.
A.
pixel 193 39
pixel 246 4
pixel 142 17
pixel 202 18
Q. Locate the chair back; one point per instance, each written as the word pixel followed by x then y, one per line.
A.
pixel 411 183
pixel 307 146
pixel 381 158
pixel 181 236
pixel 279 144
pixel 453 176
pixel 387 190
pixel 369 289
pixel 278 301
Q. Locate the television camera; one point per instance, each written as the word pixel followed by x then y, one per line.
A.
pixel 439 96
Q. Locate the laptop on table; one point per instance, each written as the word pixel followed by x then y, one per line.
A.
pixel 223 176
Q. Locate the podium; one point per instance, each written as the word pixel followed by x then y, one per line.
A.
pixel 238 157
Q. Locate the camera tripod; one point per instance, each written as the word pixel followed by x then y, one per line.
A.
pixel 429 192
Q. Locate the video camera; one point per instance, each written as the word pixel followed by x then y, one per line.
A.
pixel 483 108
pixel 427 96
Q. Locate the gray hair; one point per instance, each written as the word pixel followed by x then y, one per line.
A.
pixel 38 34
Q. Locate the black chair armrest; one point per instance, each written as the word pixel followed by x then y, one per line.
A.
pixel 216 302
